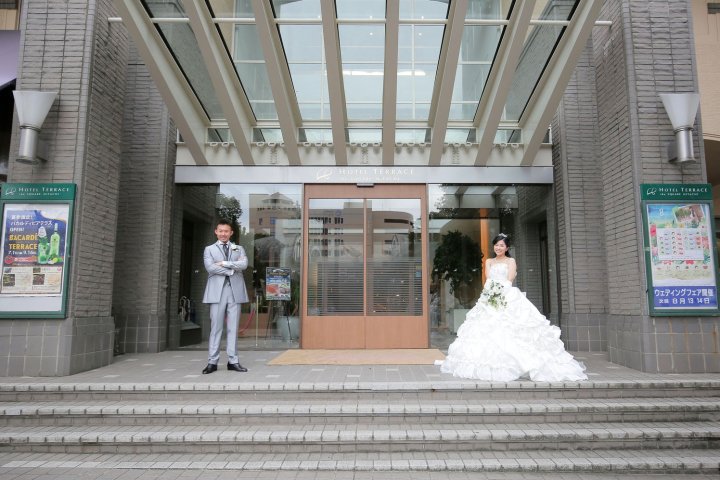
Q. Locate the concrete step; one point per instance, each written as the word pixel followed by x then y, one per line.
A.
pixel 363 438
pixel 292 419
pixel 670 463
pixel 356 391
pixel 349 413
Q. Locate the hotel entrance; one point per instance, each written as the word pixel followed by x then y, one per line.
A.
pixel 365 277
pixel 376 266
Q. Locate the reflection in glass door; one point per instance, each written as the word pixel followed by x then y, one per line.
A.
pixel 364 271
pixel 335 257
pixel 394 262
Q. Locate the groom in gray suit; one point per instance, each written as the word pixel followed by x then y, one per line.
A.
pixel 225 291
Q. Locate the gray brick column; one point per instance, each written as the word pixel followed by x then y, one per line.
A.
pixel 648 50
pixel 578 193
pixel 68 46
pixel 140 301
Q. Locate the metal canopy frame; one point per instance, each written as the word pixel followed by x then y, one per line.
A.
pixel 385 151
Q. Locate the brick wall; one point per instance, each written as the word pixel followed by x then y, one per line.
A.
pixel 647 51
pixel 578 187
pixel 140 295
pixel 70 48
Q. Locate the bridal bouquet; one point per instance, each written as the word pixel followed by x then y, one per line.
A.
pixel 494 295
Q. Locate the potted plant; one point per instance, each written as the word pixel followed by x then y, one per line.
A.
pixel 458 260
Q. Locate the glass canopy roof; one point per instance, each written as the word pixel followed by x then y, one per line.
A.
pixel 430 73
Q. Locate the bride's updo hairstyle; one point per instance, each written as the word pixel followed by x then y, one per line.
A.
pixel 504 238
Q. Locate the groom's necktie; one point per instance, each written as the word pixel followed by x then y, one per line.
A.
pixel 226 249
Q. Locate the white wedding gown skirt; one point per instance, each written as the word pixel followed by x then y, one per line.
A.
pixel 509 343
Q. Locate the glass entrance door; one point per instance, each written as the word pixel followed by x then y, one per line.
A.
pixel 365 274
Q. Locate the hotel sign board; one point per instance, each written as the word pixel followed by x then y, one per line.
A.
pixel 36 227
pixel 680 254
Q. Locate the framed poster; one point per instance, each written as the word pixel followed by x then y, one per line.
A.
pixel 35 245
pixel 277 283
pixel 680 253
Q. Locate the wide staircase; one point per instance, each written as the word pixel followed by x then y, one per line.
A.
pixel 668 427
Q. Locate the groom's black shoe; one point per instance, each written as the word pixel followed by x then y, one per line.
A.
pixel 237 367
pixel 211 367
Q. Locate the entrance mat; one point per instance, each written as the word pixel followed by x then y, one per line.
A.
pixel 409 356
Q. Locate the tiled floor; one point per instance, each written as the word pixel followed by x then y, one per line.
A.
pixel 186 367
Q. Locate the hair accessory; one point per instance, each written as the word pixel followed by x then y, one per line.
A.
pixel 502 235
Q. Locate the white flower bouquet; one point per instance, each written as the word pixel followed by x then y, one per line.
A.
pixel 494 295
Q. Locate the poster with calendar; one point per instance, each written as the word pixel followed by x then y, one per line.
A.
pixel 680 249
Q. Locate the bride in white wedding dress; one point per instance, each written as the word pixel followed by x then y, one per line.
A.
pixel 507 342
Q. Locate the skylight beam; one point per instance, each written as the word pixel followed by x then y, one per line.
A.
pixel 447 68
pixel 336 89
pixel 499 82
pixel 546 97
pixel 389 109
pixel 183 105
pixel 225 81
pixel 279 77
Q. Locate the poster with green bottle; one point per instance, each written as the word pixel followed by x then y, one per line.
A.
pixel 33 248
pixel 36 220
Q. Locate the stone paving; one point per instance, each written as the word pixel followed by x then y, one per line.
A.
pixel 185 367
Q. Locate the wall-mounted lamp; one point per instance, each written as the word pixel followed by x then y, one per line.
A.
pixel 681 108
pixel 32 108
